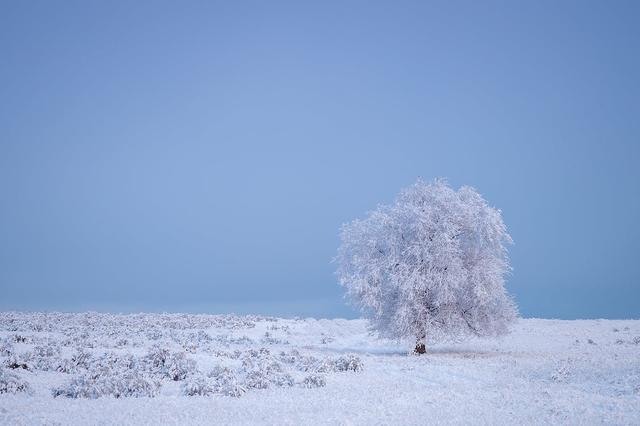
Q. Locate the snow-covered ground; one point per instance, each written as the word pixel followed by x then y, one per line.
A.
pixel 202 369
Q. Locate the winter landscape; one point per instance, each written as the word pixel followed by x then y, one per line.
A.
pixel 201 369
pixel 319 213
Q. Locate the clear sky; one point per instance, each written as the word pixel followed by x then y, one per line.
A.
pixel 201 156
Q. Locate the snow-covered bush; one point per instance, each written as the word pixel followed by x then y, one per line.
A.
pixel 254 355
pixel 313 381
pixel 108 369
pixel 227 340
pixel 263 370
pixel 310 363
pixel 200 337
pixel 15 362
pixel 281 379
pixel 43 358
pixel 118 384
pixel 47 351
pixel 257 379
pixel 11 383
pixel 290 357
pixel 109 374
pixel 348 363
pixel 224 354
pixel 18 338
pixel 266 373
pixel 6 347
pixel 269 339
pixel 162 363
pixel 305 362
pixel 154 334
pixel 111 361
pixel 120 343
pixel 79 360
pixel 226 382
pixel 430 267
pixel 197 385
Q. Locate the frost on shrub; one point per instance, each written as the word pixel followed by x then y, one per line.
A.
pixel 226 340
pixel 304 362
pixel 154 334
pixel 18 338
pixel 224 354
pixel 266 373
pixel 269 339
pixel 312 364
pixel 313 381
pixel 257 379
pixel 11 383
pixel 225 382
pixel 111 362
pixel 263 379
pixel 263 370
pixel 41 358
pixel 253 356
pixel 109 374
pixel 6 347
pixel 121 343
pixel 48 351
pixel 290 357
pixel 16 362
pixel 281 379
pixel 636 340
pixel 199 338
pixel 348 363
pixel 197 385
pixel 108 383
pixel 79 360
pixel 162 363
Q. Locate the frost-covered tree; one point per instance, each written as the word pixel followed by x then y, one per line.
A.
pixel 429 267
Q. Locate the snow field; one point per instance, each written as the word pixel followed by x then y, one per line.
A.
pixel 95 368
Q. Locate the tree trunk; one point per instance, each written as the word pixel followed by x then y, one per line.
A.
pixel 421 347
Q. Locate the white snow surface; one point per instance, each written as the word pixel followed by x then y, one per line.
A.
pixel 140 369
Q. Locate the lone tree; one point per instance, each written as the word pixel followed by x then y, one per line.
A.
pixel 429 267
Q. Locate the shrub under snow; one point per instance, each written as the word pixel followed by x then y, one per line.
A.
pixel 90 350
pixel 11 383
pixel 226 382
pixel 266 373
pixel 116 384
pixel 348 363
pixel 314 381
pixel 6 347
pixel 162 363
pixel 78 361
pixel 309 363
pixel 197 385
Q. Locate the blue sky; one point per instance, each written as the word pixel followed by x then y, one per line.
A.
pixel 201 156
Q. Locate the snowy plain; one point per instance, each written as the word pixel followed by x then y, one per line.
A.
pixel 93 368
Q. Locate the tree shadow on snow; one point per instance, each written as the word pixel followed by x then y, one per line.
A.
pixel 434 352
pixel 465 353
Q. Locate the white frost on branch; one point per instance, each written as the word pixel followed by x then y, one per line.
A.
pixel 430 266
